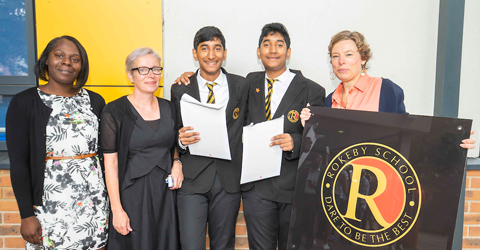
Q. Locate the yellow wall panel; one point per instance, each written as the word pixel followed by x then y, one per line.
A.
pixel 108 29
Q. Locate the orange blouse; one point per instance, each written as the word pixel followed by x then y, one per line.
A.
pixel 364 95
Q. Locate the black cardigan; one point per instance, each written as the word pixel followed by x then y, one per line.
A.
pixel 26 123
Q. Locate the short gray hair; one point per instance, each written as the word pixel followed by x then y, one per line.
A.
pixel 138 53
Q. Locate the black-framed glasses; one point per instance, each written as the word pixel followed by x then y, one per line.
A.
pixel 146 70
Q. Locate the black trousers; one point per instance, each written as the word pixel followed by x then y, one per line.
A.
pixel 267 222
pixel 217 207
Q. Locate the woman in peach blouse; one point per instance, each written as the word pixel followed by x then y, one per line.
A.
pixel 349 54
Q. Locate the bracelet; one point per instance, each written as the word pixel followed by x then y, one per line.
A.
pixel 179 161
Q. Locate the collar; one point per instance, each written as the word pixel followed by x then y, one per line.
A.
pixel 361 84
pixel 221 79
pixel 284 77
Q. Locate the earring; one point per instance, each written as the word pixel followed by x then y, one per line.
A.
pixel 364 71
pixel 332 75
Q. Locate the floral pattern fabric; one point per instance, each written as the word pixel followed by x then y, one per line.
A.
pixel 74 214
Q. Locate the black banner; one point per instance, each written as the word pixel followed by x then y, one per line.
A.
pixel 378 180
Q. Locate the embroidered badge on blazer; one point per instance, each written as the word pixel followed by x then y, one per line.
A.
pixel 235 113
pixel 293 116
pixel 257 90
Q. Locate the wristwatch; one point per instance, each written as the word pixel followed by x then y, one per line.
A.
pixel 179 161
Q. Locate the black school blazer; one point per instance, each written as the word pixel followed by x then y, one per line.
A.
pixel 199 172
pixel 300 92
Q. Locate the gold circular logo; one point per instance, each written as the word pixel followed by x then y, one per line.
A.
pixel 293 116
pixel 373 176
pixel 235 113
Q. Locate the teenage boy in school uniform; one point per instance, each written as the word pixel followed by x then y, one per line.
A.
pixel 211 189
pixel 272 93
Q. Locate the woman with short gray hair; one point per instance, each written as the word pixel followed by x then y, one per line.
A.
pixel 138 139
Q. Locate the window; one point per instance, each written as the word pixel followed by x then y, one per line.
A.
pixel 13 41
pixel 17 58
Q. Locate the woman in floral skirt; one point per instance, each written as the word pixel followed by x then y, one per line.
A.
pixel 52 139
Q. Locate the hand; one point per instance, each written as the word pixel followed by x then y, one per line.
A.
pixel 184 78
pixel 284 140
pixel 305 114
pixel 177 175
pixel 187 138
pixel 469 143
pixel 121 223
pixel 31 230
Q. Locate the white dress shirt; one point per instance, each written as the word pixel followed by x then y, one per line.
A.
pixel 279 88
pixel 220 90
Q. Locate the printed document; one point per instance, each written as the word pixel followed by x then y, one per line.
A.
pixel 208 120
pixel 260 161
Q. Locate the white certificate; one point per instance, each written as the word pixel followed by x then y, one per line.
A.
pixel 209 121
pixel 260 161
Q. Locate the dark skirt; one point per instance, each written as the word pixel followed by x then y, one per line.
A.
pixel 151 207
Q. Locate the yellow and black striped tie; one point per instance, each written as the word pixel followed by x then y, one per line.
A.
pixel 211 96
pixel 268 99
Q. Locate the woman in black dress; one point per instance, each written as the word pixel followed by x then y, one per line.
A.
pixel 138 139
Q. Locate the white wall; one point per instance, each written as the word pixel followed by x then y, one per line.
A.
pixel 402 35
pixel 469 83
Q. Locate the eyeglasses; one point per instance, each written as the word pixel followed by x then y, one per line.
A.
pixel 146 70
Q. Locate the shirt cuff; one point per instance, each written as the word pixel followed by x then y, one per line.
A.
pixel 181 145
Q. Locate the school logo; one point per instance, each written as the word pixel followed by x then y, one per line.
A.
pixel 371 194
pixel 293 116
pixel 235 113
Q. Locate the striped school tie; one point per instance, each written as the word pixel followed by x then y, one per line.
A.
pixel 268 99
pixel 211 96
